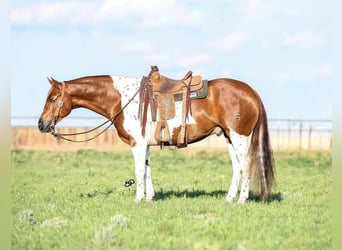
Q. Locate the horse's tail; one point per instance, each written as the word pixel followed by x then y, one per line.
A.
pixel 261 156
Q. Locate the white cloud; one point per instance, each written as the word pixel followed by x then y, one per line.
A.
pixel 123 8
pixel 136 47
pixel 176 57
pixel 166 58
pixel 150 13
pixel 232 41
pixel 195 60
pixel 58 12
pixel 254 3
pixel 257 10
pixel 307 39
pixel 324 71
pixel 144 13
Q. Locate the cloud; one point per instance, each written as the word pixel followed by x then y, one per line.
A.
pixel 324 71
pixel 195 60
pixel 176 57
pixel 136 47
pixel 53 13
pixel 151 13
pixel 307 39
pixel 143 13
pixel 257 10
pixel 254 3
pixel 232 41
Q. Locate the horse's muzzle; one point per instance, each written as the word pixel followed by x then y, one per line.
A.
pixel 46 126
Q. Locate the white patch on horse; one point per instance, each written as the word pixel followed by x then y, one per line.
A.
pixel 128 86
pixel 177 120
pixel 238 151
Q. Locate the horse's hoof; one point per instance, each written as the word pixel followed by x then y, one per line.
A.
pixel 242 201
pixel 149 198
pixel 138 200
pixel 229 200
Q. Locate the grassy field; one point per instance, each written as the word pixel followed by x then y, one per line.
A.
pixel 77 200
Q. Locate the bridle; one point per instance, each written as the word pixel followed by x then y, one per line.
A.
pixel 59 104
pixel 110 121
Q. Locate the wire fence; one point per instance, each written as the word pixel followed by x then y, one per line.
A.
pixel 285 134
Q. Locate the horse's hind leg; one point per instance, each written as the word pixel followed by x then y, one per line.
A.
pixel 238 149
pixel 234 184
pixel 245 177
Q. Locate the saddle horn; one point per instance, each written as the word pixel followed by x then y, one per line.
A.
pixel 154 68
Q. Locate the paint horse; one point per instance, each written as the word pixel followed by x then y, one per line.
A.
pixel 231 108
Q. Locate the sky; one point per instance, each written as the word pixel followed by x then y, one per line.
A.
pixel 282 48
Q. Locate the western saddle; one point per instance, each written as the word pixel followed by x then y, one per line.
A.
pixel 161 93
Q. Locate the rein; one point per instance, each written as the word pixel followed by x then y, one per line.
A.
pixel 111 120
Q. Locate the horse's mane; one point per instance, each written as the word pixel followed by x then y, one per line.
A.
pixel 90 79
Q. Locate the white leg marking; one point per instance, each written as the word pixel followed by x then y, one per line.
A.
pixel 139 153
pixel 238 152
pixel 148 178
pixel 244 193
pixel 234 185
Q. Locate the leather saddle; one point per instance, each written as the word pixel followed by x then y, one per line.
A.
pixel 162 84
pixel 165 92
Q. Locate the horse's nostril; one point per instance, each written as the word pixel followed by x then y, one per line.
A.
pixel 40 125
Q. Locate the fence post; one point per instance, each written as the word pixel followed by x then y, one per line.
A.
pixel 289 136
pixel 15 138
pixel 300 135
pixel 309 142
pixel 278 136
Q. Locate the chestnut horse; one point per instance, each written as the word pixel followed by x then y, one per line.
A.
pixel 231 108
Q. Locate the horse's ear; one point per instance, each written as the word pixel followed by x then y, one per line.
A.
pixel 54 82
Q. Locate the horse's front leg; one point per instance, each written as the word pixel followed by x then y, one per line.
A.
pixel 139 155
pixel 148 178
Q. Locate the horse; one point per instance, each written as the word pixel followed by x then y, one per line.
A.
pixel 231 108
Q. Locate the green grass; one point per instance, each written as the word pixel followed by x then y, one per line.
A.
pixel 77 200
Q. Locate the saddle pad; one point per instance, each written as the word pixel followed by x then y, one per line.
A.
pixel 198 94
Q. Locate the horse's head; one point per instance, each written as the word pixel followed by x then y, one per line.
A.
pixel 57 106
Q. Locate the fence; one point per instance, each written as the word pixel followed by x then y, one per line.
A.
pixel 300 134
pixel 285 134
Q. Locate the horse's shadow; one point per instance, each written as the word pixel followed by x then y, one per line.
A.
pixel 163 195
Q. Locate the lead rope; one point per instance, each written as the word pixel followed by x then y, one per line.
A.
pixel 63 136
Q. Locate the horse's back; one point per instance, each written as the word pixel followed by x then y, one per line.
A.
pixel 234 87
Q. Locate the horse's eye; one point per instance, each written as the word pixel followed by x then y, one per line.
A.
pixel 53 99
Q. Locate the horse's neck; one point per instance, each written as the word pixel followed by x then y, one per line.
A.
pixel 93 96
